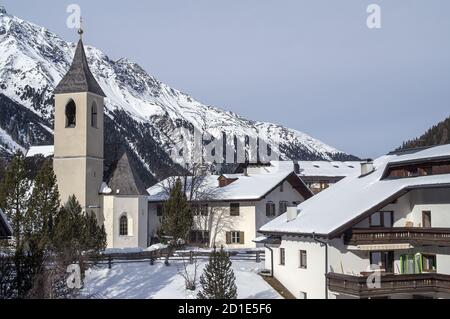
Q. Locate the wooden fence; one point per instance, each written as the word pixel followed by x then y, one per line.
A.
pixel 186 256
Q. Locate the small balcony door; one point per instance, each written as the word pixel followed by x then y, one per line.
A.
pixel 426 219
pixel 384 260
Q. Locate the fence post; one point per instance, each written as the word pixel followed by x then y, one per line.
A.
pixel 258 257
pixel 152 259
pixel 191 257
pixel 109 262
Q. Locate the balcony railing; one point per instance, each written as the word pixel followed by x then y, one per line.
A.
pixel 414 236
pixel 388 285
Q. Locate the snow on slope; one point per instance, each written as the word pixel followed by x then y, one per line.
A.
pixel 33 60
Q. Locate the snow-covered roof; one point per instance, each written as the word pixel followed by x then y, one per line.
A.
pixel 322 168
pixel 46 151
pixel 251 187
pixel 355 195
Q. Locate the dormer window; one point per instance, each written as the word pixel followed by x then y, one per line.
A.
pixel 71 115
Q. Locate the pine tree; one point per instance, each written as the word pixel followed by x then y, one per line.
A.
pixel 69 228
pixel 218 279
pixel 44 204
pixel 14 195
pixel 177 220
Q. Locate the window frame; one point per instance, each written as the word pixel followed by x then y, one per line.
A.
pixel 426 257
pixel 272 207
pixel 159 210
pixel 124 232
pixel 283 211
pixel 235 237
pixel 303 259
pixel 427 214
pixel 382 215
pixel 94 115
pixel 282 256
pixel 73 107
pixel 235 209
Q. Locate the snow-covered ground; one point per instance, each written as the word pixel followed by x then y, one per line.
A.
pixel 143 281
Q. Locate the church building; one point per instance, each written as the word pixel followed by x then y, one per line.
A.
pixel 118 198
pixel 113 191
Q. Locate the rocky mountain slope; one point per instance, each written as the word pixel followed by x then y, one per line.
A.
pixel 142 113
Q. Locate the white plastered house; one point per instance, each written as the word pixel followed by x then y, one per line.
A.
pixel 381 233
pixel 237 205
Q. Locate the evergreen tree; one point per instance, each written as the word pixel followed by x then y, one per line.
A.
pixel 14 195
pixel 177 219
pixel 44 204
pixel 218 279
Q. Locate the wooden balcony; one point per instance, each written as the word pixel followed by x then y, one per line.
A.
pixel 390 284
pixel 414 236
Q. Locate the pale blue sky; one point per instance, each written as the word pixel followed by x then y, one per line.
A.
pixel 310 65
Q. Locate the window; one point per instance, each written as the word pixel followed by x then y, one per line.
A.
pixel 426 219
pixel 235 238
pixel 94 115
pixel 384 260
pixel 199 237
pixel 283 207
pixel 123 226
pixel 270 209
pixel 282 256
pixel 282 187
pixel 201 210
pixel 71 114
pixel 235 209
pixel 382 219
pixel 429 263
pixel 160 210
pixel 303 259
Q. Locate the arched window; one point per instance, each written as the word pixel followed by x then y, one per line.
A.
pixel 124 225
pixel 71 114
pixel 94 115
pixel 270 209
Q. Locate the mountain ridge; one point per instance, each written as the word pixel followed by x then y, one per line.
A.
pixel 142 113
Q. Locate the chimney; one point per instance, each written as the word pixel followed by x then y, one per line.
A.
pixel 292 213
pixel 297 167
pixel 367 167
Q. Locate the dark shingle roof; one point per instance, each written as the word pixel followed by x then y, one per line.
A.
pixel 124 180
pixel 79 78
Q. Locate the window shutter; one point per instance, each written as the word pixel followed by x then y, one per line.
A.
pixel 228 235
pixel 242 238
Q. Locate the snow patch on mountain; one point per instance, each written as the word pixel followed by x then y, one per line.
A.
pixel 33 60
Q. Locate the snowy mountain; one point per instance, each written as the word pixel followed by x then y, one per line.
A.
pixel 142 113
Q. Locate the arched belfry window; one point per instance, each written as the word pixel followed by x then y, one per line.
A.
pixel 124 225
pixel 94 115
pixel 71 114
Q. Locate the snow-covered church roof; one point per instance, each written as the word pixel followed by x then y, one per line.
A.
pixel 46 151
pixel 330 210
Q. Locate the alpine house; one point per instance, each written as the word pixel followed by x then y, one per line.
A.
pixel 381 233
pixel 232 207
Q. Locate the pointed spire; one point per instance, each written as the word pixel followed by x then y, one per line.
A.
pixel 79 78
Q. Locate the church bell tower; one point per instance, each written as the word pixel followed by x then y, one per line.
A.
pixel 79 134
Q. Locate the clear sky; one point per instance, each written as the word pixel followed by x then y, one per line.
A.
pixel 312 65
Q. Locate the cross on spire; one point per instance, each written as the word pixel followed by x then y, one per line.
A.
pixel 80 30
